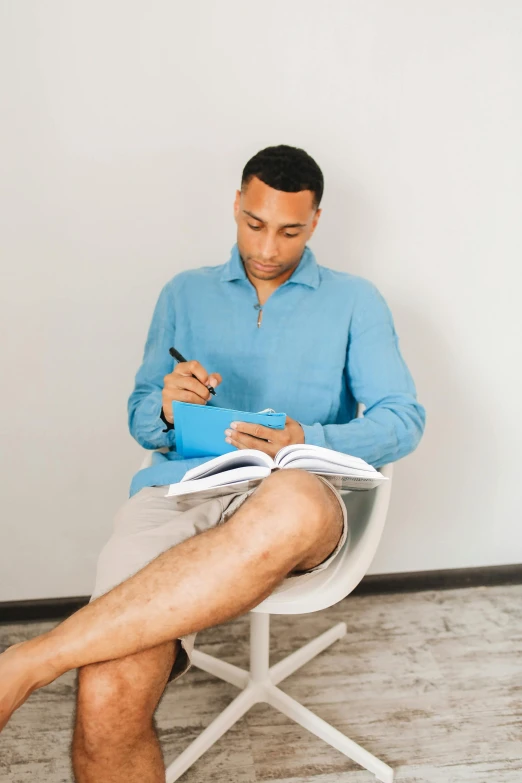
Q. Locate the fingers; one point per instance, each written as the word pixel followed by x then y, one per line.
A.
pixel 244 435
pixel 182 388
pixel 195 368
pixel 179 386
pixel 257 430
pixel 180 395
pixel 182 377
pixel 243 441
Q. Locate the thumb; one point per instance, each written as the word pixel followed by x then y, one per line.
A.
pixel 215 379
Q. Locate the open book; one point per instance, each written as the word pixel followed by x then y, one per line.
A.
pixel 242 468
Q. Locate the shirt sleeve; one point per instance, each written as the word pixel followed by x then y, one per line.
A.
pixel 393 420
pixel 145 402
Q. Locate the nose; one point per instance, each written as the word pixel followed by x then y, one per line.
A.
pixel 268 248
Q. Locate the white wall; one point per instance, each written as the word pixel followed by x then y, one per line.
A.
pixel 125 128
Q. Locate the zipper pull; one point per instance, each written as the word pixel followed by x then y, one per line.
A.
pixel 259 307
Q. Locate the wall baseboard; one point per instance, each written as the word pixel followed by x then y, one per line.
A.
pixel 411 581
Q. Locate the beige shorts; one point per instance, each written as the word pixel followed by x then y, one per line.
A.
pixel 149 523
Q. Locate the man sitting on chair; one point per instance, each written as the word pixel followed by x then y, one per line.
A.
pixel 284 333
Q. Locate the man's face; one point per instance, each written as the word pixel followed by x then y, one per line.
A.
pixel 273 228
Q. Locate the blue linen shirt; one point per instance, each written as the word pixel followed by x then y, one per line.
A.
pixel 326 341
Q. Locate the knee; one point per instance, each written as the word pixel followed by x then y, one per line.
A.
pixel 297 484
pixel 110 712
pixel 302 493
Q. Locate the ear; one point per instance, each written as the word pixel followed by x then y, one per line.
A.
pixel 237 201
pixel 315 221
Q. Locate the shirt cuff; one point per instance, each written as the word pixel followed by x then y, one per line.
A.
pixel 314 434
pixel 164 420
pixel 146 425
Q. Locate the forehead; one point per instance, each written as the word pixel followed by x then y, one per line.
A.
pixel 276 205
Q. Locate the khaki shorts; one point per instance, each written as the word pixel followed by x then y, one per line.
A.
pixel 149 523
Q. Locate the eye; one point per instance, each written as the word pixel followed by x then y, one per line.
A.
pixel 291 235
pixel 254 228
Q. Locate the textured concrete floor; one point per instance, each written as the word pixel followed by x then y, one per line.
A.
pixel 429 682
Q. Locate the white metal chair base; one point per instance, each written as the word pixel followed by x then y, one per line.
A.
pixel 260 685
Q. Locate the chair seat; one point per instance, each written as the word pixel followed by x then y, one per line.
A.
pixel 366 512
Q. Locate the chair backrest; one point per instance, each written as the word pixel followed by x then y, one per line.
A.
pixel 147 459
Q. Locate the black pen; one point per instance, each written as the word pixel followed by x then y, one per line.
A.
pixel 179 357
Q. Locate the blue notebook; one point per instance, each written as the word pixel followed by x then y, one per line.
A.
pixel 200 429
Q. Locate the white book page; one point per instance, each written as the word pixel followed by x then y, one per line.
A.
pixel 234 459
pixel 218 480
pixel 324 467
pixel 214 492
pixel 342 482
pixel 297 451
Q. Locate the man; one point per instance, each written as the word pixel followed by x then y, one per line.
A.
pixel 270 328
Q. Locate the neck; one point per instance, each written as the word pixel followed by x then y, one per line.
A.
pixel 264 288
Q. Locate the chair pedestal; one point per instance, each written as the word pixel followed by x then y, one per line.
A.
pixel 260 685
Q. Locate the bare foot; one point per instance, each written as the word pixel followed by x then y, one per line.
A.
pixel 21 672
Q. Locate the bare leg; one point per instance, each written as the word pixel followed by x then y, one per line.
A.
pixel 115 740
pixel 292 521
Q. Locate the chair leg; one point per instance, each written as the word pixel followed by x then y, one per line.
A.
pixel 308 720
pixel 212 733
pixel 260 686
pixel 280 671
pixel 222 669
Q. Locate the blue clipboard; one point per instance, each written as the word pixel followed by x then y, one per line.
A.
pixel 200 429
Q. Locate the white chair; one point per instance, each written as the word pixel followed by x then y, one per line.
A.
pixel 367 512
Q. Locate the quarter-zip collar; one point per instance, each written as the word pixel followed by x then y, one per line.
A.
pixel 307 272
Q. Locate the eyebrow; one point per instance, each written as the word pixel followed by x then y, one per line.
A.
pixel 286 225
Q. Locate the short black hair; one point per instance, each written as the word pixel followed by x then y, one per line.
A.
pixel 285 168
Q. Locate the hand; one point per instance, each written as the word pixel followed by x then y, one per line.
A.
pixel 179 385
pixel 254 436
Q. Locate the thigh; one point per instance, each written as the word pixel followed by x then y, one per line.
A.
pixel 148 524
pixel 151 512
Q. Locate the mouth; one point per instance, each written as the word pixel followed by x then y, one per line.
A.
pixel 264 267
